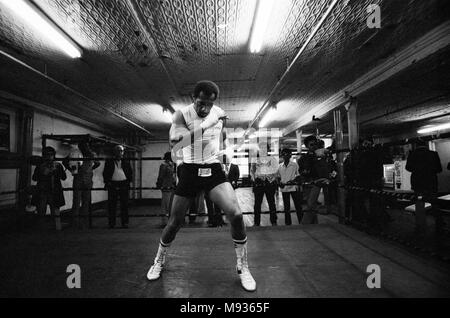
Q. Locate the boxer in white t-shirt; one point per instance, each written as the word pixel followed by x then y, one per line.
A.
pixel 196 134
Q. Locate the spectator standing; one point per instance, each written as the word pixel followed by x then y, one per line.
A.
pixel 83 172
pixel 317 170
pixel 166 182
pixel 424 166
pixel 48 175
pixel 117 176
pixel 367 164
pixel 288 175
pixel 263 173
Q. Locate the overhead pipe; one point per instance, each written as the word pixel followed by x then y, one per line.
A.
pixel 73 91
pixel 297 56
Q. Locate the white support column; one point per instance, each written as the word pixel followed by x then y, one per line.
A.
pixel 340 163
pixel 299 136
pixel 352 119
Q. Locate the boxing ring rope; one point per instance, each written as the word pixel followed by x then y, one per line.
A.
pixel 413 198
pixel 390 194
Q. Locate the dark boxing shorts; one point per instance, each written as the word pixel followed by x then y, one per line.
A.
pixel 193 178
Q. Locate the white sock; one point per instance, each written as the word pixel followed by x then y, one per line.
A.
pixel 240 246
pixel 162 251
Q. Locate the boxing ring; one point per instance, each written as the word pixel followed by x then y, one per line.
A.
pixel 324 260
pixel 320 260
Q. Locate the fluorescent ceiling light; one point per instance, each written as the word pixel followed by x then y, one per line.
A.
pixel 168 115
pixel 434 128
pixel 31 15
pixel 268 116
pixel 260 25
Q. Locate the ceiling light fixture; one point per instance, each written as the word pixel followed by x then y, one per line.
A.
pixel 168 114
pixel 263 10
pixel 434 128
pixel 268 116
pixel 39 21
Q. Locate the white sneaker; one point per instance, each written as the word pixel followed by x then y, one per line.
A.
pixel 247 281
pixel 155 271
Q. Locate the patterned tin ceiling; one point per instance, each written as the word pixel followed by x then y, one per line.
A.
pixel 140 56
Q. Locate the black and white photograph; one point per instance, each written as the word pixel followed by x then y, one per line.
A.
pixel 4 132
pixel 225 156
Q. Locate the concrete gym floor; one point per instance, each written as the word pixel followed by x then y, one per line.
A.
pixel 325 260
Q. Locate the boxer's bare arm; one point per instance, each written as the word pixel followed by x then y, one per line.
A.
pixel 179 131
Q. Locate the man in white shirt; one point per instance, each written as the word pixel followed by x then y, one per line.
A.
pixel 289 176
pixel 263 173
pixel 117 176
pixel 196 134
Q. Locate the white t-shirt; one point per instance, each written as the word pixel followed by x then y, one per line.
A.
pixel 118 174
pixel 204 150
pixel 288 173
pixel 266 168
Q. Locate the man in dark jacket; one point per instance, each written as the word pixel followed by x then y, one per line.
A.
pixel 367 166
pixel 316 168
pixel 233 174
pixel 48 175
pixel 424 166
pixel 117 176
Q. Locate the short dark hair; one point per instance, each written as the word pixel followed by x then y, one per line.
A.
pixel 207 87
pixel 286 151
pixel 309 139
pixel 49 149
pixel 421 142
